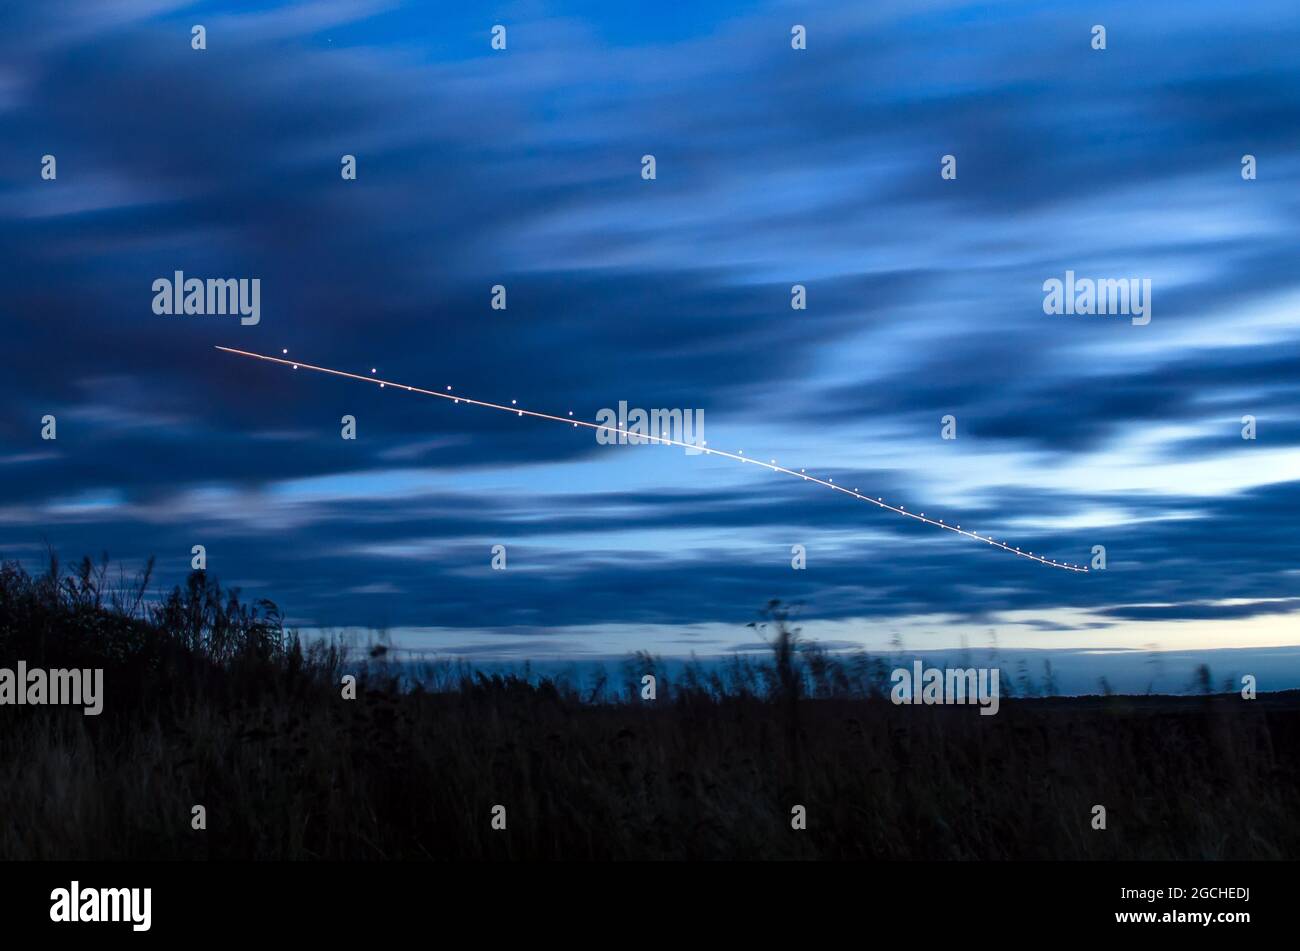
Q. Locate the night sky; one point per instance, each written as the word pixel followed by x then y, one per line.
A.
pixel 522 167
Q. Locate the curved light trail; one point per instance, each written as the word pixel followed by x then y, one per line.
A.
pixel 664 440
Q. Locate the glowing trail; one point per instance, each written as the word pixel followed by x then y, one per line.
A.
pixel 664 440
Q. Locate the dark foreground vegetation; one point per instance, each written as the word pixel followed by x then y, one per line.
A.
pixel 210 701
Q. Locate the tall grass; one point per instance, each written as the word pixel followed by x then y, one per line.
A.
pixel 211 701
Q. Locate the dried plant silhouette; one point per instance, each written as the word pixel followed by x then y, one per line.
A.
pixel 212 701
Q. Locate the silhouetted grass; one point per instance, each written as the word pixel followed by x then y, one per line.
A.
pixel 210 701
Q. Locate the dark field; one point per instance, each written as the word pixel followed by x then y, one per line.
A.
pixel 211 702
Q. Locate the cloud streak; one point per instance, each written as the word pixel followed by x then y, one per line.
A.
pixel 522 168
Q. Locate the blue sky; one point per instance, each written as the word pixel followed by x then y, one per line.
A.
pixel 774 167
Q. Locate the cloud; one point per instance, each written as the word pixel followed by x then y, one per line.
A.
pixel 775 168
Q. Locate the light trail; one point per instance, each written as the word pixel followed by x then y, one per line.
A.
pixel 664 440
